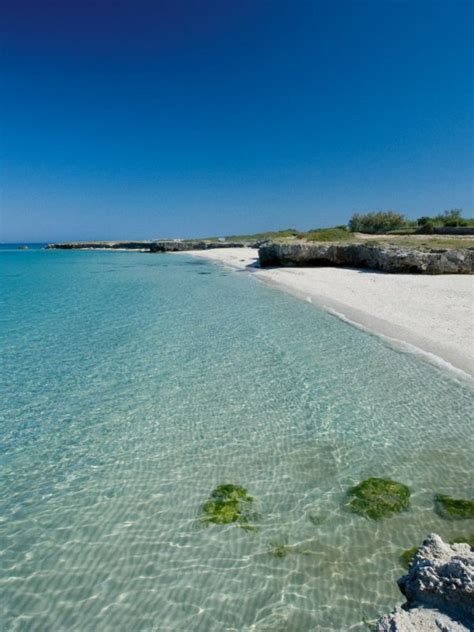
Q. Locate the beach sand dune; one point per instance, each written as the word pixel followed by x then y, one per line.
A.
pixel 434 314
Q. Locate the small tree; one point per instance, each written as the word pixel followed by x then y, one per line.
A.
pixel 452 217
pixel 421 221
pixel 378 222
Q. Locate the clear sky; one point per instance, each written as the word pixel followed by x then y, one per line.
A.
pixel 143 119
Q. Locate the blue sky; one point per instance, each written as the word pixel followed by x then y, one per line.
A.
pixel 185 118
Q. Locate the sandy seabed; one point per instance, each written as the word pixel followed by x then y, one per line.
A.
pixel 431 315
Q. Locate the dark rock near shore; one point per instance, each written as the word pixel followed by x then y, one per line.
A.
pixel 100 245
pixel 182 246
pixel 166 245
pixel 387 258
pixel 439 589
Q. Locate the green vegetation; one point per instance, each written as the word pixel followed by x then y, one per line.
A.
pixel 328 234
pixel 382 222
pixel 377 223
pixel 280 549
pixel 452 218
pixel 378 498
pixel 407 556
pixel 453 508
pixel 287 233
pixel 464 539
pixel 389 223
pixel 229 503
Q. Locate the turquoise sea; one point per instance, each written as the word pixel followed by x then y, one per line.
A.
pixel 133 384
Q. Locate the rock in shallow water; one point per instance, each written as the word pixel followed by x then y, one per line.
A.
pixel 439 589
pixel 378 498
pixel 454 508
pixel 229 503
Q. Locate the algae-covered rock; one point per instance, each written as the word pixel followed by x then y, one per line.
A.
pixel 229 503
pixel 453 508
pixel 407 556
pixel 378 498
pixel 464 539
pixel 442 576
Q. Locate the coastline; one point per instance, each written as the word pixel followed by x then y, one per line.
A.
pixel 431 316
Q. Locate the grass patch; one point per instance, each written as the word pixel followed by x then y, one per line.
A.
pixel 328 234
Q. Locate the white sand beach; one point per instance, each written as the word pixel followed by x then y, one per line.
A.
pixel 434 314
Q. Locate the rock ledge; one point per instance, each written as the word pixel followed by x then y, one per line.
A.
pixel 387 258
pixel 439 589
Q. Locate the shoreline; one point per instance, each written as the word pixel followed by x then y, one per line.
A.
pixel 430 316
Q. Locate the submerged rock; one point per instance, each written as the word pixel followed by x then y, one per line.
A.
pixel 454 508
pixel 229 503
pixel 439 589
pixel 378 498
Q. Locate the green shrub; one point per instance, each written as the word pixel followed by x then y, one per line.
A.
pixel 421 221
pixel 450 218
pixel 427 228
pixel 378 222
pixel 456 222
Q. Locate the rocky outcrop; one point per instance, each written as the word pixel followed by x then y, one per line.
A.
pixel 387 258
pixel 419 620
pixel 182 246
pixel 439 589
pixel 167 245
pixel 100 245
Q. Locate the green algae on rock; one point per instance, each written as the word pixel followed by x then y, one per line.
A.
pixel 407 556
pixel 453 508
pixel 378 498
pixel 464 539
pixel 229 503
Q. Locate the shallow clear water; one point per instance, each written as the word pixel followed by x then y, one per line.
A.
pixel 134 383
